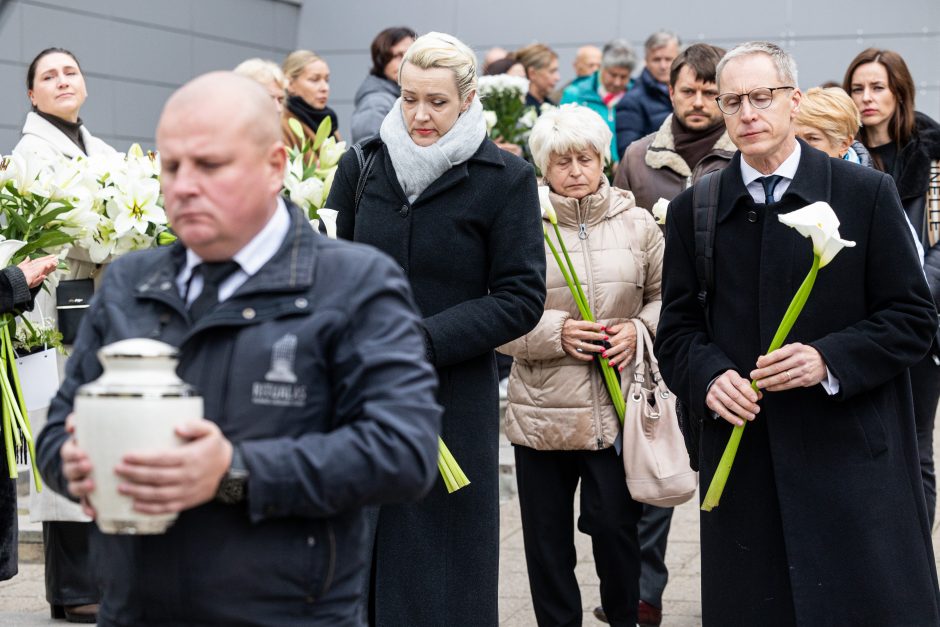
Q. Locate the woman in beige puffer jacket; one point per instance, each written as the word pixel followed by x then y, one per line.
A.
pixel 560 418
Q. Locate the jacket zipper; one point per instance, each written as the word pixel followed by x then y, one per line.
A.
pixel 582 235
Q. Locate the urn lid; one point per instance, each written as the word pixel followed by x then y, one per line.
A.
pixel 138 348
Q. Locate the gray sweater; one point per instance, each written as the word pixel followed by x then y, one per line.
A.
pixel 373 101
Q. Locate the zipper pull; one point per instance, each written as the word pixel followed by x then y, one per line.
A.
pixel 582 231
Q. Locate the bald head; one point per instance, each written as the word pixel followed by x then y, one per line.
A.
pixel 587 60
pixel 238 100
pixel 222 163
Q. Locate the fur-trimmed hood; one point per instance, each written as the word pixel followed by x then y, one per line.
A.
pixel 662 151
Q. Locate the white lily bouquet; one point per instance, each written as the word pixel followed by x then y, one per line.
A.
pixel 310 171
pixel 818 222
pixel 116 200
pixel 508 119
pixel 36 217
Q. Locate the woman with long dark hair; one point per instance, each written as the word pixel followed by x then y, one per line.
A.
pixel 379 90
pixel 906 144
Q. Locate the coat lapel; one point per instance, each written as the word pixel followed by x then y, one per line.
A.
pixel 786 256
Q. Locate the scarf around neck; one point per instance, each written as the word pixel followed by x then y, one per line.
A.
pixel 416 167
pixel 693 146
pixel 310 116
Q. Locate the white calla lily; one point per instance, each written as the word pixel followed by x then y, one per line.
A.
pixel 328 216
pixel 818 222
pixel 545 203
pixel 8 248
pixel 659 210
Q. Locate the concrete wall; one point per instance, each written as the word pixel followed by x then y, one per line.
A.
pixel 134 53
pixel 823 35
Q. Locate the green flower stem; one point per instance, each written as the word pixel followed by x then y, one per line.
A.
pixel 580 299
pixel 574 274
pixel 8 442
pixel 453 475
pixel 717 485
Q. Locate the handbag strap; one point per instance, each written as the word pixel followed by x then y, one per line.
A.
pixel 644 343
pixel 639 362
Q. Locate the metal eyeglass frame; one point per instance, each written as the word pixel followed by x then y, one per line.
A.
pixel 748 96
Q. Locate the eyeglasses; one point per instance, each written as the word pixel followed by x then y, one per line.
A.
pixel 759 97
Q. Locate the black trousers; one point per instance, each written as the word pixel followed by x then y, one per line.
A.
pixel 925 386
pixel 547 481
pixel 653 530
pixel 9 527
pixel 70 577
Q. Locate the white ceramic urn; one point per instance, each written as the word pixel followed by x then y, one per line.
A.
pixel 133 406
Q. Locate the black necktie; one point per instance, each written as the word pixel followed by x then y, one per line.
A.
pixel 213 274
pixel 770 184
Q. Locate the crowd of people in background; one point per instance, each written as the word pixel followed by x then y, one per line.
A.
pixel 612 142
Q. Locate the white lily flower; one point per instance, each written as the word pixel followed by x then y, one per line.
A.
pixel 659 210
pixel 308 193
pixel 329 221
pixel 491 120
pixel 8 248
pixel 136 207
pixel 818 222
pixel 330 153
pixel 101 245
pixel 26 171
pixel 545 203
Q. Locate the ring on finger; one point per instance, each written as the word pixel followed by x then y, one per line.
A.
pixel 789 378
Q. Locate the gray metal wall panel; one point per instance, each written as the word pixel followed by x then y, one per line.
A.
pixel 134 53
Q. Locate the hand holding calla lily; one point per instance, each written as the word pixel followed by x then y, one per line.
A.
pixel 818 222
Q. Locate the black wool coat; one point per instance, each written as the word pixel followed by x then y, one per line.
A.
pixel 471 245
pixel 823 519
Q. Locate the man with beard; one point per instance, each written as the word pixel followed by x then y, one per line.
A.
pixel 691 142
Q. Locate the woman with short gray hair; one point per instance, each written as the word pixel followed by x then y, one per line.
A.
pixel 560 419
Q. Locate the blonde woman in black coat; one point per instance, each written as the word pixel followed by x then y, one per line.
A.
pixel 461 217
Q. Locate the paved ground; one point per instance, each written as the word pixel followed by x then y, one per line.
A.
pixel 21 599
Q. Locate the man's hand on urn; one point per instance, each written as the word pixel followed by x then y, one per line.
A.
pixel 76 468
pixel 173 480
pixel 578 338
pixel 790 366
pixel 732 397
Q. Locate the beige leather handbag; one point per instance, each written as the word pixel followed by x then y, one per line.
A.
pixel 654 456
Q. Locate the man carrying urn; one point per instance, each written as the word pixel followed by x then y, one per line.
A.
pixel 269 488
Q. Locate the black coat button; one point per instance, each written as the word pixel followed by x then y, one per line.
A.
pixel 404 211
pixel 752 216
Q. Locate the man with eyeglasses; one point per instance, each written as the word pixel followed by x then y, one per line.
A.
pixel 823 519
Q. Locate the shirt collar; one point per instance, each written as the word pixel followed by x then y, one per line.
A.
pixel 253 255
pixel 787 169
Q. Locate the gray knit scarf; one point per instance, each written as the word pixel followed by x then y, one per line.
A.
pixel 418 166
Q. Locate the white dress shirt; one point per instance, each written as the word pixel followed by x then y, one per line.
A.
pixel 250 258
pixel 786 170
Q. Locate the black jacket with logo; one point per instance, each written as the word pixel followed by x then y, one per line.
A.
pixel 358 426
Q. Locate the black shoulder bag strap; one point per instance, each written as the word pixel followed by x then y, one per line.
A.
pixel 365 161
pixel 704 220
